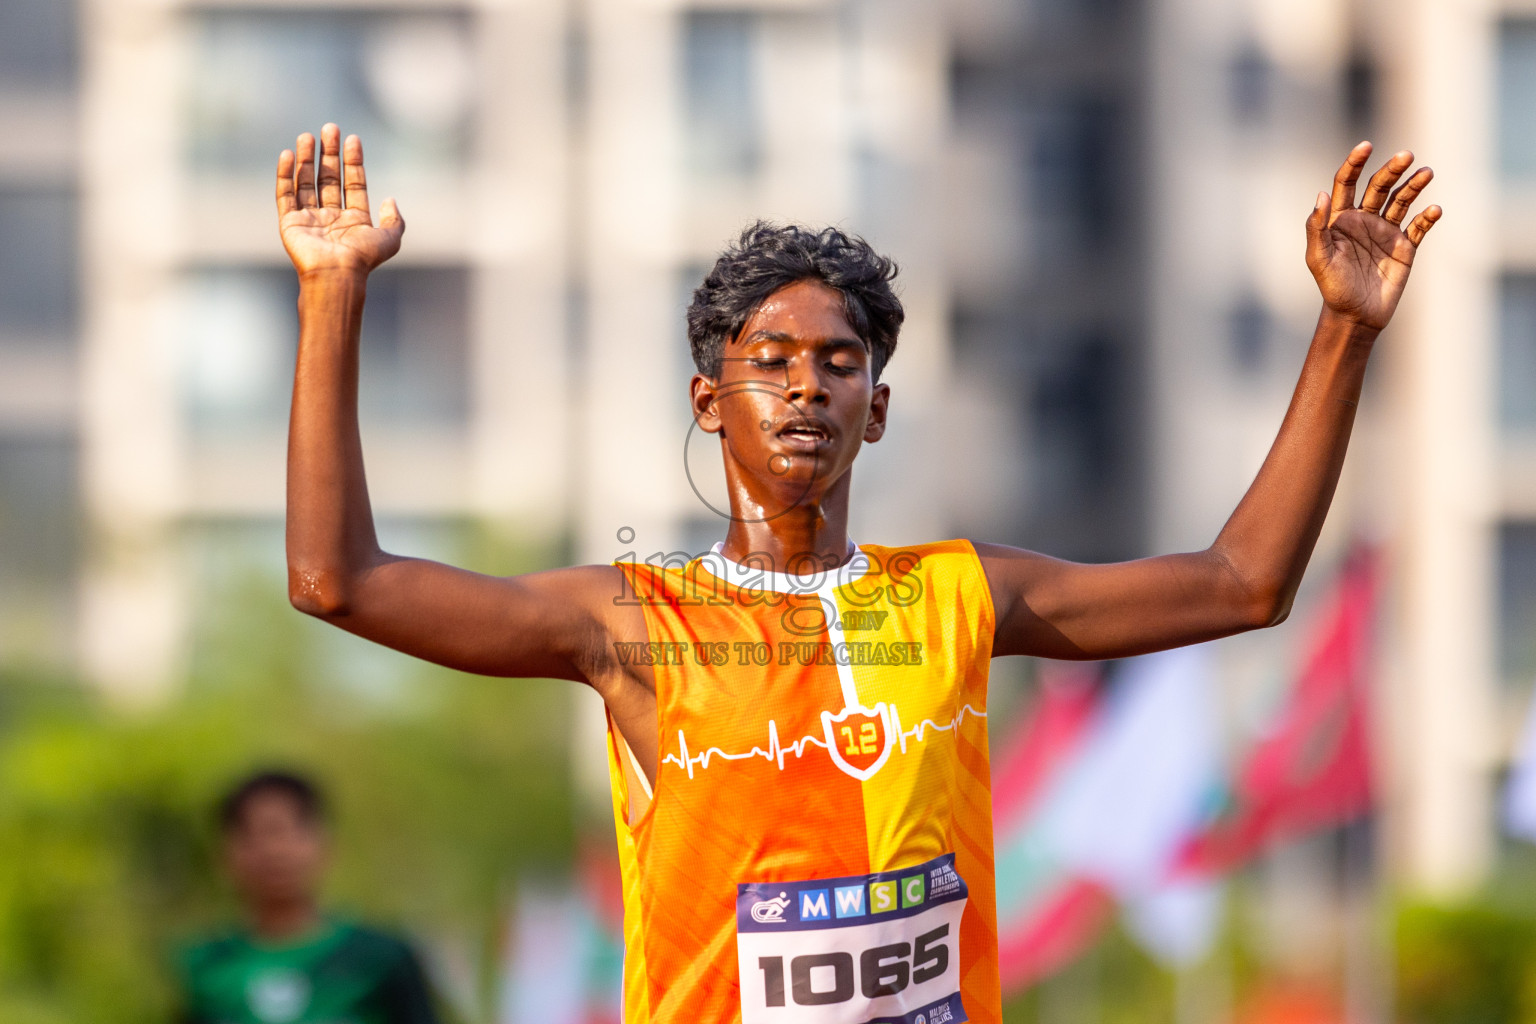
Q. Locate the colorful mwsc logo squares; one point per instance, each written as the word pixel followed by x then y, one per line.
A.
pixel 849 900
pixel 859 900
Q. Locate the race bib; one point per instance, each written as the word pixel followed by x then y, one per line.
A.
pixel 869 949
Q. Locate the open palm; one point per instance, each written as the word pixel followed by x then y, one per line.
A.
pixel 324 219
pixel 1361 256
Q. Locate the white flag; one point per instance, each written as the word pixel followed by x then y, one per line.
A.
pixel 544 977
pixel 1139 791
pixel 1520 794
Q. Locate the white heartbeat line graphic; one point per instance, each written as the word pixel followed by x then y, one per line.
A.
pixel 776 751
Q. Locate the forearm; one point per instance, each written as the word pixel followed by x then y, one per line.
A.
pixel 330 537
pixel 1269 538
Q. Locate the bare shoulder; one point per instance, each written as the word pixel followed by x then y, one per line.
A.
pixel 991 553
pixel 593 593
pixel 1007 568
pixel 1025 587
pixel 610 617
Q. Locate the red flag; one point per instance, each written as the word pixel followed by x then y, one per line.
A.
pixel 1043 740
pixel 1314 769
pixel 1058 931
pixel 1046 915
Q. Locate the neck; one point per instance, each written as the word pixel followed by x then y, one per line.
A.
pixel 282 921
pixel 816 527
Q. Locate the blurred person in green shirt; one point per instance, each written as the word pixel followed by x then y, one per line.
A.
pixel 290 962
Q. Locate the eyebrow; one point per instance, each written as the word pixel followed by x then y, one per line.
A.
pixel 780 336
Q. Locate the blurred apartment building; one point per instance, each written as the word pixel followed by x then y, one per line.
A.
pixel 39 330
pixel 1097 205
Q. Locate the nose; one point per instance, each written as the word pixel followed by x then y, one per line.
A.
pixel 805 383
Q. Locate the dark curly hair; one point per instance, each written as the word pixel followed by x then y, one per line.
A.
pixel 768 257
pixel 303 792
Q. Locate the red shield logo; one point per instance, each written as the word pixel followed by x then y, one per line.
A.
pixel 859 739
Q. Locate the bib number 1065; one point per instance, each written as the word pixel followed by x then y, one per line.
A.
pixel 881 971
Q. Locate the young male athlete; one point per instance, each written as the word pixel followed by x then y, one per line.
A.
pixel 798 733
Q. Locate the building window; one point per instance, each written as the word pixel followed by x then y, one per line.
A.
pixel 416 346
pixel 39 545
pixel 38 507
pixel 1251 328
pixel 1251 81
pixel 404 82
pixel 238 338
pixel 37 265
pixel 1059 18
pixel 1517 353
pixel 1517 97
pixel 720 86
pixel 1074 170
pixel 37 44
pixel 1361 91
pixel 1078 414
pixel 1517 601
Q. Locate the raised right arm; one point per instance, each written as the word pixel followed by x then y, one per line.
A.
pixel 556 624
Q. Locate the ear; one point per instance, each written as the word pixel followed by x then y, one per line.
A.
pixel 702 392
pixel 879 404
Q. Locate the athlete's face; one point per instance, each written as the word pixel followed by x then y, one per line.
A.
pixel 276 854
pixel 794 401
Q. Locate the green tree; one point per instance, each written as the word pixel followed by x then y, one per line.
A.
pixel 446 787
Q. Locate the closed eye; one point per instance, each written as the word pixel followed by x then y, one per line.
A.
pixel 768 364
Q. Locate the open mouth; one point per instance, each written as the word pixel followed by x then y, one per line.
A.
pixel 804 432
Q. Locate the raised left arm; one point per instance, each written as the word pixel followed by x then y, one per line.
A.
pixel 1247 579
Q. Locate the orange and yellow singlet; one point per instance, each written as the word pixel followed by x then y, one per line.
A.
pixel 818 845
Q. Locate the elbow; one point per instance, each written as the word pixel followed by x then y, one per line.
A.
pixel 1272 612
pixel 1257 599
pixel 318 592
pixel 1269 605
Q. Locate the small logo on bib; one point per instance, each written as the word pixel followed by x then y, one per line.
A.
pixel 771 911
